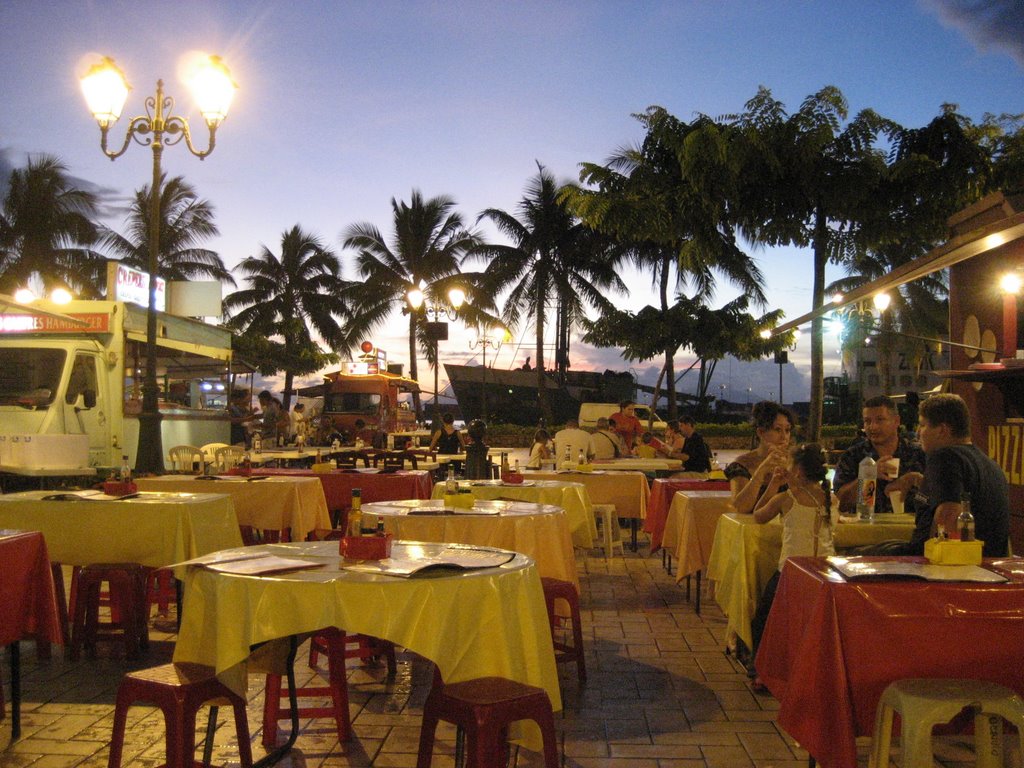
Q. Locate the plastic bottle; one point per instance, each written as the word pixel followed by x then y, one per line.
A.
pixel 965 520
pixel 516 470
pixel 567 461
pixel 451 486
pixel 126 470
pixel 581 459
pixel 246 463
pixel 335 444
pixel 257 443
pixel 867 483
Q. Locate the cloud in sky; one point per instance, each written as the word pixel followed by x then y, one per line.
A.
pixel 986 23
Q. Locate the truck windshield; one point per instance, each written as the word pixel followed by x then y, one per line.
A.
pixel 28 376
pixel 352 402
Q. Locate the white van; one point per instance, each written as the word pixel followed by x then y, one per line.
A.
pixel 591 412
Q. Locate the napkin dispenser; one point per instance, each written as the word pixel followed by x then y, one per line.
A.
pixel 366 547
pixel 584 467
pixel 459 500
pixel 953 551
pixel 322 468
pixel 118 488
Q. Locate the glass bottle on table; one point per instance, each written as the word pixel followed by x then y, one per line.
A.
pixel 125 475
pixel 965 520
pixel 581 459
pixel 257 443
pixel 867 483
pixel 451 485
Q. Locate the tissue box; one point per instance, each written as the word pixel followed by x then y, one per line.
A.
pixel 584 467
pixel 512 478
pixel 459 500
pixel 117 488
pixel 366 547
pixel 953 551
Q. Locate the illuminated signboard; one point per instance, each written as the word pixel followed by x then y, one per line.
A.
pixel 96 323
pixel 132 285
pixel 370 361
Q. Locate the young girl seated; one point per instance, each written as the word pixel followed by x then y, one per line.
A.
pixel 539 451
pixel 807 519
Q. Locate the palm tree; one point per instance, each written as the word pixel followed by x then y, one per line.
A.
pixel 185 221
pixel 552 257
pixel 428 242
pixel 47 230
pixel 666 205
pixel 289 295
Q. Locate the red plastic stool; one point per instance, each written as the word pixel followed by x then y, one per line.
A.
pixel 361 647
pixel 337 689
pixel 179 690
pixel 128 607
pixel 555 589
pixel 160 590
pixel 484 708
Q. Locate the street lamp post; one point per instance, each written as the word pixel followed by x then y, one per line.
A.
pixel 418 300
pixel 494 341
pixel 106 90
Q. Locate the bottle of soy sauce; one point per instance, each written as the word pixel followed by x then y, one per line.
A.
pixel 965 520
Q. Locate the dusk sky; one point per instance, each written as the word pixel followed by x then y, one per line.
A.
pixel 345 105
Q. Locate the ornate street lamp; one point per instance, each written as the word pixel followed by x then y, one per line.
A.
pixel 493 338
pixel 106 90
pixel 437 329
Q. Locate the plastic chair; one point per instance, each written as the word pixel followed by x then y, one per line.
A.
pixel 350 459
pixel 228 457
pixel 394 459
pixel 484 708
pixel 926 702
pixel 128 607
pixel 184 458
pixel 178 690
pixel 556 589
pixel 210 451
pixel 611 533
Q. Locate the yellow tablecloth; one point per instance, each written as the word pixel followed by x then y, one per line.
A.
pixel 476 623
pixel 153 529
pixel 628 491
pixel 275 503
pixel 690 528
pixel 745 555
pixel 538 530
pixel 570 496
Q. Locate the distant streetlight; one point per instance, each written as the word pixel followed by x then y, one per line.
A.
pixel 106 90
pixel 493 338
pixel 437 329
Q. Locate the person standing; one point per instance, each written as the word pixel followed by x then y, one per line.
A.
pixel 883 442
pixel 955 469
pixel 240 414
pixel 270 416
pixel 447 439
pixel 627 426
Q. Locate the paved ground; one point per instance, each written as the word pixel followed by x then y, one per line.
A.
pixel 661 694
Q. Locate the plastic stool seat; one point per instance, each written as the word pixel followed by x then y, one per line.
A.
pixel 484 708
pixel 611 534
pixel 926 702
pixel 127 606
pixel 179 690
pixel 336 689
pixel 556 589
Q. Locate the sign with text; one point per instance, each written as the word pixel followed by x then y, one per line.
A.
pixel 132 285
pixel 96 323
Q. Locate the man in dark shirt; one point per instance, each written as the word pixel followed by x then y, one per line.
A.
pixel 955 469
pixel 698 454
pixel 882 442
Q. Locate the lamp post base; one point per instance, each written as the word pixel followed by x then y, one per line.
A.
pixel 149 457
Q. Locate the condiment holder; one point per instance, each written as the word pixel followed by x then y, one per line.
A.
pixel 461 500
pixel 119 488
pixel 366 547
pixel 953 551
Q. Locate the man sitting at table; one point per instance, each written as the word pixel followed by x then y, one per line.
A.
pixel 883 443
pixel 604 443
pixel 570 441
pixel 954 469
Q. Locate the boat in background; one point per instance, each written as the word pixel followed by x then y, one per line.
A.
pixel 512 395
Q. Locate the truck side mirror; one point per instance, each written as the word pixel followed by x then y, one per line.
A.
pixel 89 398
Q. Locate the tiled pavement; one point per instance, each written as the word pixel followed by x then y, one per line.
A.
pixel 661 693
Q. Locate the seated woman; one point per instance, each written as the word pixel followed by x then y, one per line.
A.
pixel 749 475
pixel 447 439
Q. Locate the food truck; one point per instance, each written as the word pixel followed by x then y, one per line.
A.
pixel 71 382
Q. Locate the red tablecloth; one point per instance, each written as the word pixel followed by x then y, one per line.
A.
pixel 28 601
pixel 662 492
pixel 374 486
pixel 831 646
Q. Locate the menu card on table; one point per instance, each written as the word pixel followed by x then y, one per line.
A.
pixel 452 556
pixel 856 568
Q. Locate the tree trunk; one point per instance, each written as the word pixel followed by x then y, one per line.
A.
pixel 542 393
pixel 670 367
pixel 289 379
pixel 820 246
